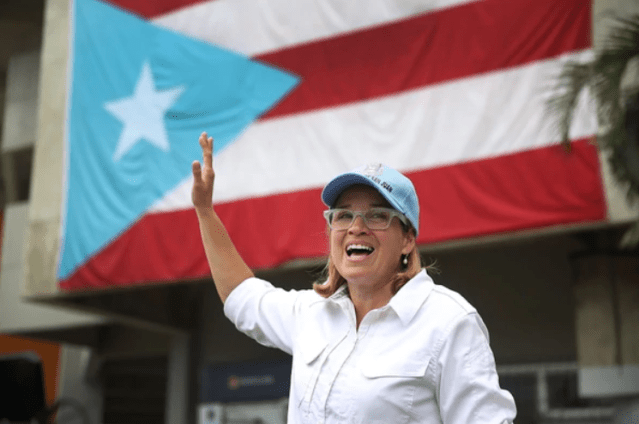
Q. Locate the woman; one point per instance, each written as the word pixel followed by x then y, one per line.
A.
pixel 378 342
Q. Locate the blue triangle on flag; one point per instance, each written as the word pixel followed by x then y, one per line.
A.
pixel 140 96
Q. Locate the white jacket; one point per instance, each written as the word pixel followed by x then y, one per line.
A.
pixel 423 358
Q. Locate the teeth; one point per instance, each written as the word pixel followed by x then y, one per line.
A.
pixel 351 247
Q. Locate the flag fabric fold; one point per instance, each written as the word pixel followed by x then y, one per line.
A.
pixel 451 92
pixel 140 96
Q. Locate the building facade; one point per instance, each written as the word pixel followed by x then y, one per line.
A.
pixel 557 299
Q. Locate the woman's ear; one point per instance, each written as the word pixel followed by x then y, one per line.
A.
pixel 409 242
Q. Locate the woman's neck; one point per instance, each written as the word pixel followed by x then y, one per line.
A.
pixel 366 299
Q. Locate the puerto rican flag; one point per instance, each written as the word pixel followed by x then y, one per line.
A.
pixel 450 92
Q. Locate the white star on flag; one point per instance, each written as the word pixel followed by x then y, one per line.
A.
pixel 143 114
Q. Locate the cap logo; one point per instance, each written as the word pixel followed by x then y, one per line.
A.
pixel 395 187
pixel 373 170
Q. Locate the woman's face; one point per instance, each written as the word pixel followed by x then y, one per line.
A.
pixel 375 267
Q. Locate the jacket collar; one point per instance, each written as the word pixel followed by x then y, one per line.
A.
pixel 406 301
pixel 340 293
pixel 412 296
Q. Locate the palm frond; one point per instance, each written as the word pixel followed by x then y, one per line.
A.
pixel 624 36
pixel 604 75
pixel 572 80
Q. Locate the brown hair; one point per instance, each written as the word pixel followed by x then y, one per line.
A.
pixel 333 280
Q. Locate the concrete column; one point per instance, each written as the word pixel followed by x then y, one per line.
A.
pixel 607 324
pixel 79 385
pixel 46 185
pixel 607 314
pixel 178 381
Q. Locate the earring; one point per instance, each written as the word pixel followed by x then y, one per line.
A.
pixel 405 260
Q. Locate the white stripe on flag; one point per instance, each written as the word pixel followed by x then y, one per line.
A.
pixel 465 120
pixel 252 27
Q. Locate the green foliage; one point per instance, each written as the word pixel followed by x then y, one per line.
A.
pixel 617 104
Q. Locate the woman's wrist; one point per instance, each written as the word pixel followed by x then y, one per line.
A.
pixel 204 209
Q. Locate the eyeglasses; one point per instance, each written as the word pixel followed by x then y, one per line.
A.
pixel 374 218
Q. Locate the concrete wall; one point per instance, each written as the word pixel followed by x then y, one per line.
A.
pixel 19 125
pixel 20 128
pixel 16 314
pixel 619 209
pixel 46 186
pixel 220 340
pixel 523 291
pixel 21 101
pixel 179 394
pixel 79 383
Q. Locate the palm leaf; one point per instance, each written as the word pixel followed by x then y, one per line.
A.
pixel 606 77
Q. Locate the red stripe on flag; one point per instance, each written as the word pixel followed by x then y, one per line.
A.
pixel 531 189
pixel 150 9
pixel 433 48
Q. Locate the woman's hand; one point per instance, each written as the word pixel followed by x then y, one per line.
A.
pixel 227 267
pixel 203 176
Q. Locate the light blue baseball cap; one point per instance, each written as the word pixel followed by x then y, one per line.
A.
pixel 396 188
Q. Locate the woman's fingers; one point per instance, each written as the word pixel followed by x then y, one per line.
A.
pixel 206 143
pixel 203 175
pixel 197 171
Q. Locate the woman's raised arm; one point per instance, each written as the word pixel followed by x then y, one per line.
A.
pixel 227 266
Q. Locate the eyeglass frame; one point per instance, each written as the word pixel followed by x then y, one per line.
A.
pixel 393 213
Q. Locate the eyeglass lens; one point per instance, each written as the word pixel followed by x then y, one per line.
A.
pixel 375 219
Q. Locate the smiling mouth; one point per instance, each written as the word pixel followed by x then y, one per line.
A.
pixel 358 250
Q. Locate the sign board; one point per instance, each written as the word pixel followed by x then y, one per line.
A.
pixel 246 381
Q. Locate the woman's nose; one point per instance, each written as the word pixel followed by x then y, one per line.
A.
pixel 358 226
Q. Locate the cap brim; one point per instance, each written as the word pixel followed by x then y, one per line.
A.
pixel 340 183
